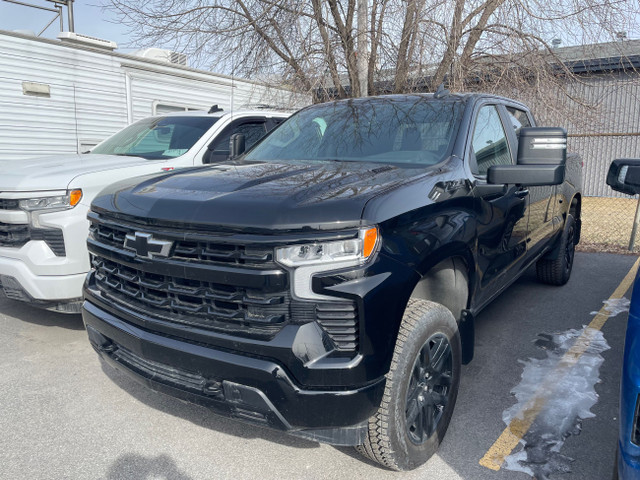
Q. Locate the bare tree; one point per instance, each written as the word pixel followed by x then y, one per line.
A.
pixel 409 44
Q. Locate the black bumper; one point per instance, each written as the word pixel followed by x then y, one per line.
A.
pixel 255 390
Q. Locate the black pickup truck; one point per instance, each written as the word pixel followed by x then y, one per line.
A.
pixel 325 282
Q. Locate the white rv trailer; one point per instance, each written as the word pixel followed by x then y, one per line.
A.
pixel 66 95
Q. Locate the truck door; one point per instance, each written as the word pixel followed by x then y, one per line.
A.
pixel 539 204
pixel 501 209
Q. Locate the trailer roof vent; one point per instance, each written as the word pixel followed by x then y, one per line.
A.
pixel 162 55
pixel 79 39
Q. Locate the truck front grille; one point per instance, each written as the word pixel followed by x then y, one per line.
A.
pixel 206 281
pixel 16 235
pixel 8 204
pixel 193 302
pixel 191 249
pixel 13 235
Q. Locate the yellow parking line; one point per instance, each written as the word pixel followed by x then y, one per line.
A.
pixel 518 427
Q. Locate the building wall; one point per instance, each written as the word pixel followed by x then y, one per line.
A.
pixel 603 122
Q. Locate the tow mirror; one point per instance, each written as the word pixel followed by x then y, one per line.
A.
pixel 542 146
pixel 542 156
pixel 236 145
pixel 624 175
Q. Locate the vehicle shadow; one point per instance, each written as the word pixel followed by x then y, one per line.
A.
pixel 201 416
pixel 138 467
pixel 38 316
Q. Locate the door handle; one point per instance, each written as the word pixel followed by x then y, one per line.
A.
pixel 522 193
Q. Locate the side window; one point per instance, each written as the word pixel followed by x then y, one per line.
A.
pixel 489 145
pixel 218 151
pixel 518 119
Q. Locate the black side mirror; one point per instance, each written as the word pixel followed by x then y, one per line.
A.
pixel 236 145
pixel 624 175
pixel 542 146
pixel 542 156
pixel 527 175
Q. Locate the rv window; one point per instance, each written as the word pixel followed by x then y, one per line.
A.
pixel 164 108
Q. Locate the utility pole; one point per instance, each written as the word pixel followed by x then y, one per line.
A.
pixel 70 15
pixel 363 46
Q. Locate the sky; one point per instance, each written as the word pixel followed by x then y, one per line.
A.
pixel 89 18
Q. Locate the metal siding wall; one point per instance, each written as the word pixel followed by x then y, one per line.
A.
pixel 200 92
pixel 147 89
pixel 33 126
pixel 616 98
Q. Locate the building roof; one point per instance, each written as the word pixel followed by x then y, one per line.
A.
pixel 600 57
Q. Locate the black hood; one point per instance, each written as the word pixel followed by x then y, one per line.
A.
pixel 288 195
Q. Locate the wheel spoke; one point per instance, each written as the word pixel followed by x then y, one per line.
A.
pixel 412 393
pixel 419 425
pixel 439 353
pixel 429 424
pixel 438 399
pixel 425 357
pixel 413 410
pixel 444 379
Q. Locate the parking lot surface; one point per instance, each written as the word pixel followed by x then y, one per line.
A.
pixel 65 416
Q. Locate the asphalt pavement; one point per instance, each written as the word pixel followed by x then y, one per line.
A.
pixel 64 416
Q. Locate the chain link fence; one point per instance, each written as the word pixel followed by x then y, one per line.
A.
pixel 607 225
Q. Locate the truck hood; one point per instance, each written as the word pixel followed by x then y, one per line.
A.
pixel 289 195
pixel 55 172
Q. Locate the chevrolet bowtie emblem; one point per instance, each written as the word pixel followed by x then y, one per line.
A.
pixel 146 246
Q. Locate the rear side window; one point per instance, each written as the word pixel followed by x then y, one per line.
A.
pixel 489 145
pixel 518 119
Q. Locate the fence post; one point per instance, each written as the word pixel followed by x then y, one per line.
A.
pixel 636 221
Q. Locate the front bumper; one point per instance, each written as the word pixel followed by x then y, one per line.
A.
pixel 248 388
pixel 44 271
pixel 56 292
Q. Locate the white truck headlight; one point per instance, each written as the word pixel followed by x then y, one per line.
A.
pixel 58 202
pixel 308 259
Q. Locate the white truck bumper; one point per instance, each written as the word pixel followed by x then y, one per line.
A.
pixel 33 272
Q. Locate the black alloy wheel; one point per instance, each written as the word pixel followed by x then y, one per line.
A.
pixel 569 248
pixel 429 388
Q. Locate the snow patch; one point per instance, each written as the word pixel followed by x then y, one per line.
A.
pixel 614 306
pixel 568 393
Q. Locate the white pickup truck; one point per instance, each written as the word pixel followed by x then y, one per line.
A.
pixel 44 201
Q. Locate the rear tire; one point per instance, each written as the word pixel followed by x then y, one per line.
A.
pixel 558 271
pixel 421 389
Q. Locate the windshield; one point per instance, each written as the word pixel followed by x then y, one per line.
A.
pixel 411 130
pixel 157 138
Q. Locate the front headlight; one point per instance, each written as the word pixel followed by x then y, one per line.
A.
pixel 58 202
pixel 309 259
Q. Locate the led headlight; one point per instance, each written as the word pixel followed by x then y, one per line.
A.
pixel 309 259
pixel 58 202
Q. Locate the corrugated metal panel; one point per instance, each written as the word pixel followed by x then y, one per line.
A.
pixel 606 104
pixel 88 94
pixel 597 153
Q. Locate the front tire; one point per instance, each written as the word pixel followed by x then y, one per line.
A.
pixel 421 389
pixel 558 271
